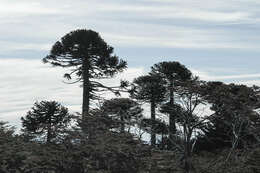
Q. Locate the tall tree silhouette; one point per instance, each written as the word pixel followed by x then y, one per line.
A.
pixel 89 57
pixel 149 88
pixel 46 119
pixel 174 73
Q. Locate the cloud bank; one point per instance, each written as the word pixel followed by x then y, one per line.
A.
pixel 24 82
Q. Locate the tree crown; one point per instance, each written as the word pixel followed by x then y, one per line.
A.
pixel 85 46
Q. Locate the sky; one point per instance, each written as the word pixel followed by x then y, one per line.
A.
pixel 215 39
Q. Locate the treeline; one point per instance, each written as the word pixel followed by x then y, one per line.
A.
pixel 188 117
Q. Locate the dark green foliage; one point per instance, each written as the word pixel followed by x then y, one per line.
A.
pixel 124 111
pixel 6 132
pixel 89 57
pixel 82 44
pixel 175 74
pixel 172 70
pixel 233 106
pixel 107 152
pixel 13 151
pixel 150 89
pixel 158 127
pixel 253 161
pixel 46 121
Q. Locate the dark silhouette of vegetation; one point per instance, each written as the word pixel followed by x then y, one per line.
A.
pixel 224 138
pixel 159 127
pixel 234 120
pixel 89 57
pixel 124 111
pixel 175 74
pixel 150 89
pixel 46 121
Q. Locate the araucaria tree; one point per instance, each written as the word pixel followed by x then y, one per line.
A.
pixel 46 119
pixel 124 111
pixel 175 74
pixel 89 57
pixel 150 89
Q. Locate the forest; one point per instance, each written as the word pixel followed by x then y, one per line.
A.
pixel 191 126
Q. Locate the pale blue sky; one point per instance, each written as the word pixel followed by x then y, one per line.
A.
pixel 216 39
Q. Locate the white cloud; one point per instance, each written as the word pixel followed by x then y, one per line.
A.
pixel 178 11
pixel 178 38
pixel 251 82
pixel 25 81
pixel 14 46
pixel 35 24
pixel 249 79
pixel 24 8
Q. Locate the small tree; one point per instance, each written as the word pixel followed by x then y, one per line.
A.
pixel 159 128
pixel 89 57
pixel 149 88
pixel 124 110
pixel 46 119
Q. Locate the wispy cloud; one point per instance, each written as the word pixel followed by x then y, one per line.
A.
pixel 244 78
pixel 175 12
pixel 170 24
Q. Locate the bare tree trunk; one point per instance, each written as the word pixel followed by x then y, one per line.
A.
pixel 49 132
pixel 122 127
pixel 86 99
pixel 153 135
pixel 188 167
pixel 172 126
pixel 86 89
pixel 188 163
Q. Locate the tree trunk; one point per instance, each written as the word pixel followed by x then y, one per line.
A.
pixel 49 132
pixel 188 166
pixel 86 89
pixel 48 135
pixel 172 126
pixel 122 127
pixel 153 135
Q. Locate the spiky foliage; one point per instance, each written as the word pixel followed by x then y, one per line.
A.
pixel 175 74
pixel 150 89
pixel 123 110
pixel 46 120
pixel 89 57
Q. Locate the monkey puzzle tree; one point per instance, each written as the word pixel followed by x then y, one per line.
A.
pixel 175 74
pixel 89 57
pixel 124 110
pixel 46 119
pixel 149 88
